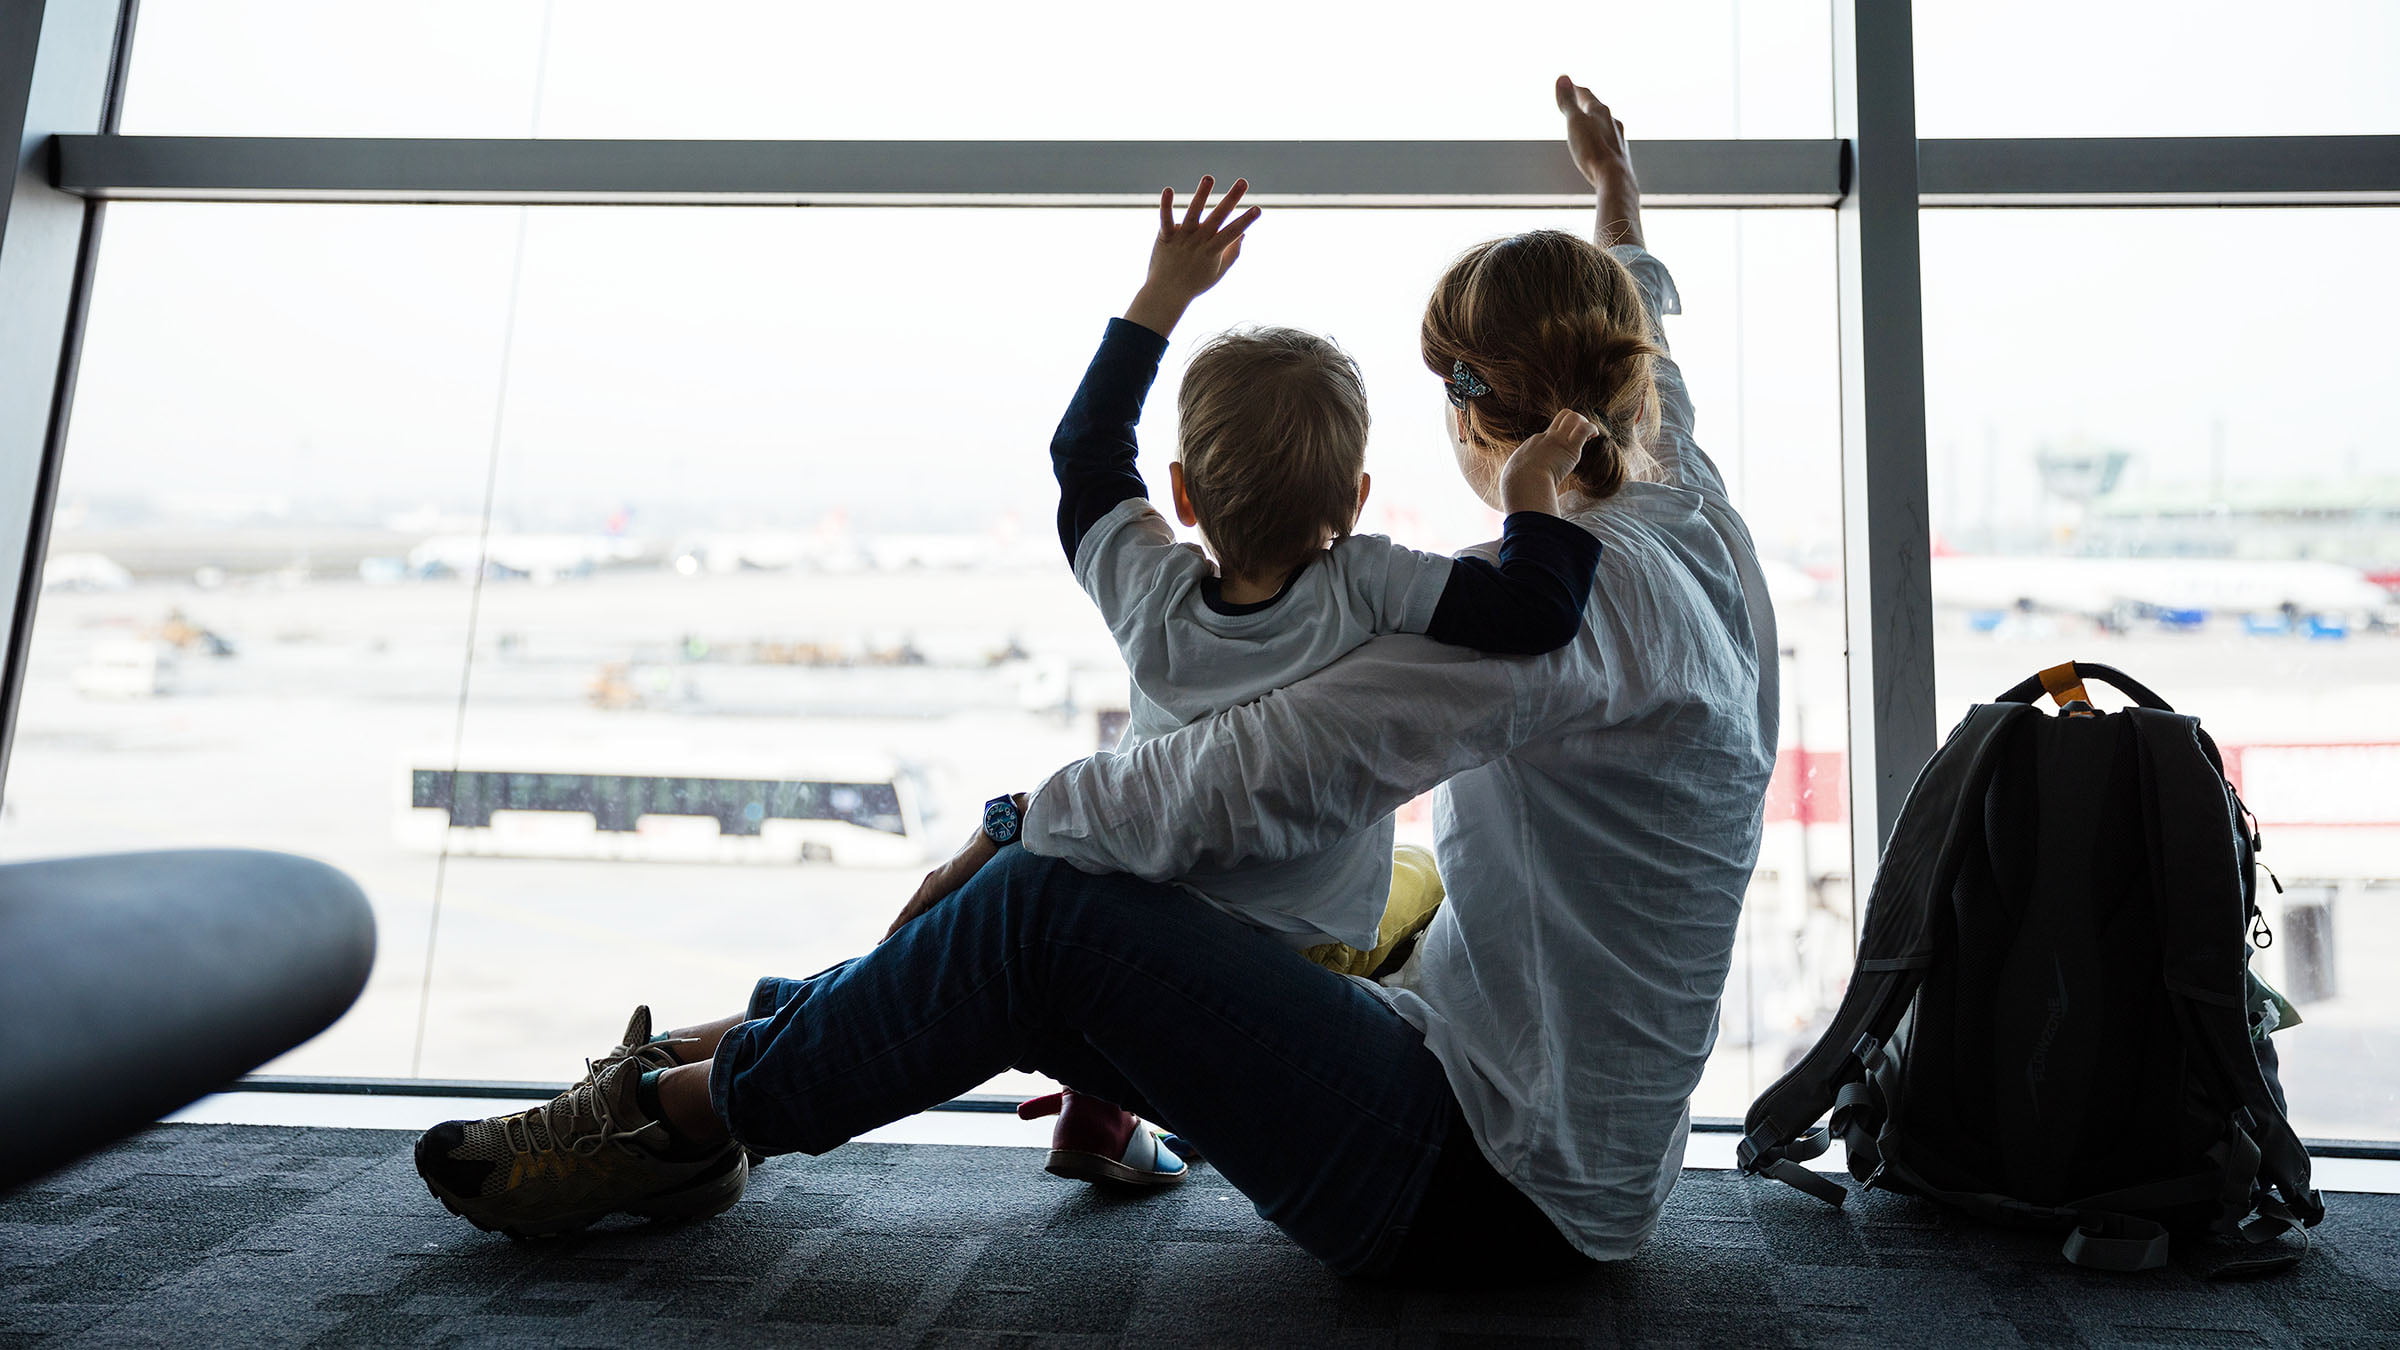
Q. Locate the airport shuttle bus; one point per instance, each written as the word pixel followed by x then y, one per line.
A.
pixel 525 807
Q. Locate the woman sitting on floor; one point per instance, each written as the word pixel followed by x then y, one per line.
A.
pixel 1516 1099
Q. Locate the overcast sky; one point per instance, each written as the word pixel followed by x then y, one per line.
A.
pixel 763 366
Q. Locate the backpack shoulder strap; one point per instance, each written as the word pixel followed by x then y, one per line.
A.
pixel 1944 811
pixel 2196 859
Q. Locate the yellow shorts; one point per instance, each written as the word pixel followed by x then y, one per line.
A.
pixel 1416 894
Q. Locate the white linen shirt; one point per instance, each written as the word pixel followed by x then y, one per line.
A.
pixel 1188 660
pixel 1597 824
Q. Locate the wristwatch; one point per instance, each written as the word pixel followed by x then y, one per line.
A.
pixel 1002 821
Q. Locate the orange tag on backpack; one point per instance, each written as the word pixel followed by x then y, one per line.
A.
pixel 2065 685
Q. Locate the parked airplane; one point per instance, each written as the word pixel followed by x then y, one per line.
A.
pixel 84 572
pixel 543 557
pixel 2186 590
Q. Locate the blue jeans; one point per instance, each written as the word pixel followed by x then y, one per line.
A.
pixel 1304 1089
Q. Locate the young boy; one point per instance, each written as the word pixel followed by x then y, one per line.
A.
pixel 1270 468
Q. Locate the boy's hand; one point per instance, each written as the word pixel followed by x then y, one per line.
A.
pixel 1530 480
pixel 1189 256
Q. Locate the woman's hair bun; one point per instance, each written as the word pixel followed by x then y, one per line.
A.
pixel 1550 321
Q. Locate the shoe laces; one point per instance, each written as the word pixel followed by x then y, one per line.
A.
pixel 554 1126
pixel 592 1067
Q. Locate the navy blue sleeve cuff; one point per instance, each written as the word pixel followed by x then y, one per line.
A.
pixel 1133 338
pixel 1529 602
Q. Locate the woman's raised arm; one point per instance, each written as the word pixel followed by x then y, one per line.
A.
pixel 1296 771
pixel 1596 140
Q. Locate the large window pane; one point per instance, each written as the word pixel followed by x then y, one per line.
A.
pixel 270 422
pixel 2160 440
pixel 2159 68
pixel 772 598
pixel 962 70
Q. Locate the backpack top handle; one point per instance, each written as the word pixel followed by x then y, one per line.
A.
pixel 2065 683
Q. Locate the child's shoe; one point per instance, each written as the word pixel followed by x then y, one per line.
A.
pixel 1099 1140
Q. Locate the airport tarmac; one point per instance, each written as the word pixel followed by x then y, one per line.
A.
pixel 301 738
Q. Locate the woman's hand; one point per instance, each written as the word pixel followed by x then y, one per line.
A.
pixel 941 881
pixel 1596 139
pixel 1535 471
pixel 1189 257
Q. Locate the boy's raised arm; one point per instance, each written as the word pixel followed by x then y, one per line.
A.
pixel 1093 451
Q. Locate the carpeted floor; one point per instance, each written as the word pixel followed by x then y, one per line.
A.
pixel 224 1234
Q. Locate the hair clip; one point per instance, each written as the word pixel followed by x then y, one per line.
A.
pixel 1464 384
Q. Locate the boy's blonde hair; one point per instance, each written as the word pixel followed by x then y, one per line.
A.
pixel 1273 440
pixel 1548 321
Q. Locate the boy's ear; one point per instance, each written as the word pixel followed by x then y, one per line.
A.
pixel 1182 494
pixel 1365 481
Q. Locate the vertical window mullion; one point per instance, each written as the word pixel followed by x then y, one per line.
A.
pixel 1885 539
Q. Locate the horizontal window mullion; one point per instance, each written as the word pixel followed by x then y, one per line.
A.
pixel 2161 171
pixel 974 1103
pixel 1304 173
pixel 2054 172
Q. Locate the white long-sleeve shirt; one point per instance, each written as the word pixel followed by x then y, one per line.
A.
pixel 1597 823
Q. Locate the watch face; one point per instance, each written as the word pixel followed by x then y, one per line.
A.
pixel 1000 820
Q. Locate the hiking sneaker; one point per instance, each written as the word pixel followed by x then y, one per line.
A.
pixel 587 1153
pixel 1098 1140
